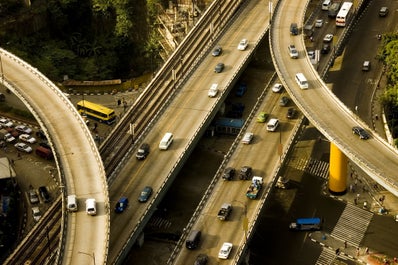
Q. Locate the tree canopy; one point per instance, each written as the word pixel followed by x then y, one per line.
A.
pixel 83 39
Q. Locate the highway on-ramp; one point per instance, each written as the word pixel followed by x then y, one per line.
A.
pixel 333 119
pixel 78 161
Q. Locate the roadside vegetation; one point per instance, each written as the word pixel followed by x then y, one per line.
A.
pixel 83 39
pixel 388 54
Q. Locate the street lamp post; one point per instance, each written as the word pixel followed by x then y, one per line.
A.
pixel 132 131
pixel 88 254
pixel 270 11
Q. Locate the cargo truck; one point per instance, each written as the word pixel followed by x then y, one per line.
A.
pixel 255 187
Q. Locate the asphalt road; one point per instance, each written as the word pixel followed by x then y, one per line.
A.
pixel 273 241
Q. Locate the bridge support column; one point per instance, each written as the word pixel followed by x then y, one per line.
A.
pixel 337 171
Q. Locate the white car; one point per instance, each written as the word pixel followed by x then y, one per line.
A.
pixel 27 138
pixel 213 90
pixel 243 45
pixel 23 129
pixel 9 138
pixel 277 88
pixel 225 250
pixel 293 51
pixel 319 23
pixel 23 147
pixel 247 138
pixel 328 38
pixel 311 54
pixel 36 213
pixel 6 123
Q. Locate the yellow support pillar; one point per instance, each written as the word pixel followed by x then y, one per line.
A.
pixel 337 171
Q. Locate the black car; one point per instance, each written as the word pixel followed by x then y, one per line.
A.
pixel 325 48
pixel 142 152
pixel 44 194
pixel 201 259
pixel 229 173
pixel 245 173
pixel 361 132
pixel 219 67
pixel 217 51
pixel 291 113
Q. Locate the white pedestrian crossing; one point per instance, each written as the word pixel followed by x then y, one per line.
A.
pixel 312 166
pixel 327 257
pixel 352 225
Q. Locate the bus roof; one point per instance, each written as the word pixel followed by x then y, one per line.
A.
pixel 345 8
pixel 307 221
pixel 91 105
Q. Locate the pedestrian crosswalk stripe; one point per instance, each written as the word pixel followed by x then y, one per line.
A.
pixel 352 225
pixel 327 257
pixel 312 166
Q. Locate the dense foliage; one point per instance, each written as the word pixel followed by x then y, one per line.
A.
pixel 388 53
pixel 83 39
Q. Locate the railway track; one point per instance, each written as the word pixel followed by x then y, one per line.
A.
pixel 42 241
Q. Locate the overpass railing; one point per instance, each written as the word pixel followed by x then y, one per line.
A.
pixel 61 173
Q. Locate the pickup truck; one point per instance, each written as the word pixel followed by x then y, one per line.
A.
pixel 254 188
pixel 225 211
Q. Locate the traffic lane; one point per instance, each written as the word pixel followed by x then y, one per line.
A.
pixel 183 197
pixel 234 192
pixel 346 81
pixel 166 122
pixel 79 159
pixel 320 97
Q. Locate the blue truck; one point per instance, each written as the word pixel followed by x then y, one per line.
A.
pixel 306 224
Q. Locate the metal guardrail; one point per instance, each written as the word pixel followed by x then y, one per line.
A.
pixel 173 68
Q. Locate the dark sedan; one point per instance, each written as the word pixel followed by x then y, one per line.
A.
pixel 45 195
pixel 201 259
pixel 291 113
pixel 229 173
pixel 145 194
pixel 219 67
pixel 361 132
pixel 217 51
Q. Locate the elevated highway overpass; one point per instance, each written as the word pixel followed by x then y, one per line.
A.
pixel 137 175
pixel 187 116
pixel 328 113
pixel 79 164
pixel 331 117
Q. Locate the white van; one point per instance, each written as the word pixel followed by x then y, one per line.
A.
pixel 91 206
pixel 213 90
pixel 166 141
pixel 326 4
pixel 272 125
pixel 71 203
pixel 301 81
